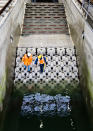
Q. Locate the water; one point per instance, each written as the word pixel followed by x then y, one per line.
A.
pixel 75 118
pixel 43 105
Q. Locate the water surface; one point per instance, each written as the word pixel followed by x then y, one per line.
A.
pixel 75 120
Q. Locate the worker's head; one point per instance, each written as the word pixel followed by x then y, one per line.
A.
pixel 40 57
pixel 28 54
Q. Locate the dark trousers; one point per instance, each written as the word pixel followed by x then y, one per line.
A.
pixel 41 68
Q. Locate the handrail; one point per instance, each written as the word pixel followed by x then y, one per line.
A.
pixel 89 16
pixel 4 7
pixel 86 12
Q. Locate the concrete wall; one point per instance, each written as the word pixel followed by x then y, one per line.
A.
pixel 82 35
pixel 28 1
pixel 10 24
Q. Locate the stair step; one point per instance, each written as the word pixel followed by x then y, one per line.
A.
pixel 44 32
pixel 44 4
pixel 43 10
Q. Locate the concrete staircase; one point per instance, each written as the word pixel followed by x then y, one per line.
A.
pixel 45 31
pixel 45 18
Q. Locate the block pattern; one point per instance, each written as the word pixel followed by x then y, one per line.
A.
pixel 61 66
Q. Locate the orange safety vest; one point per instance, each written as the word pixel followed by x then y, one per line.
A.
pixel 27 60
pixel 41 61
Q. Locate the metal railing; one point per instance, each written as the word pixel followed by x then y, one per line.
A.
pixel 87 7
pixel 4 7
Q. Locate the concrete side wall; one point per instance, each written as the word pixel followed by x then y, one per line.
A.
pixel 27 1
pixel 10 24
pixel 82 36
pixel 60 1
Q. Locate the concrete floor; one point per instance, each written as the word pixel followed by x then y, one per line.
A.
pixel 53 40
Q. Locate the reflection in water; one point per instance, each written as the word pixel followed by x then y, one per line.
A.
pixel 45 105
pixel 49 113
pixel 41 124
pixel 72 124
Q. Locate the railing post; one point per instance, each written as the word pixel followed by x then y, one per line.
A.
pixel 83 3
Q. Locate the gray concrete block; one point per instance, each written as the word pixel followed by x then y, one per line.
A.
pixel 60 67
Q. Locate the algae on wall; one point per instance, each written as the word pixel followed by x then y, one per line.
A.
pixel 71 89
pixel 2 91
pixel 11 26
pixel 77 23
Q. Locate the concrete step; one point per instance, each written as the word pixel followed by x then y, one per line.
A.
pixel 46 40
pixel 43 14
pixel 44 9
pixel 44 4
pixel 52 16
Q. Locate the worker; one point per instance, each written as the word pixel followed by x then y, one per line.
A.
pixel 42 61
pixel 27 59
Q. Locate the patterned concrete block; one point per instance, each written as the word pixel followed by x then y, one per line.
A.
pixel 61 66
